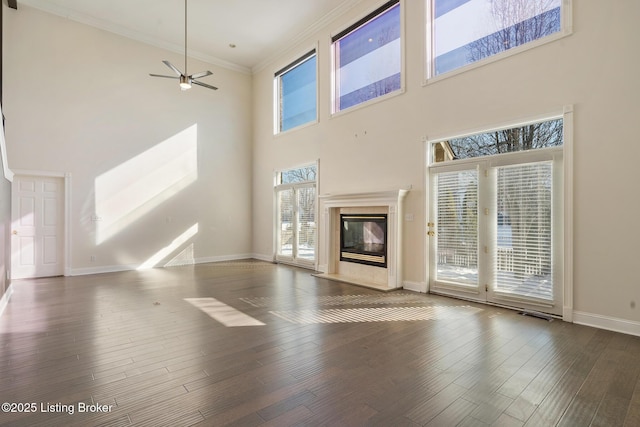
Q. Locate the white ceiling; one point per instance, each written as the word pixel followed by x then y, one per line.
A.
pixel 259 29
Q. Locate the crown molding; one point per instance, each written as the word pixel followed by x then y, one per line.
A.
pixel 317 26
pixel 67 13
pixel 63 12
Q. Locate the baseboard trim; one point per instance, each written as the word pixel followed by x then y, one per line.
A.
pixel 85 271
pixel 262 257
pixel 118 268
pixel 4 301
pixel 567 314
pixel 223 258
pixel 415 286
pixel 605 322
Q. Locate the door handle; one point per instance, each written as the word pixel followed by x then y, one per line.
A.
pixel 14 232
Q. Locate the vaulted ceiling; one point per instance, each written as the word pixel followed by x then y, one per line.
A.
pixel 238 34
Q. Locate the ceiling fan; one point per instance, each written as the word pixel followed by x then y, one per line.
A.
pixel 186 80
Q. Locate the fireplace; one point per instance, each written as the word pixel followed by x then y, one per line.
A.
pixel 363 239
pixel 350 262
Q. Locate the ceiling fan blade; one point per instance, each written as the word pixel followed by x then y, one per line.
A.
pixel 166 77
pixel 170 65
pixel 203 85
pixel 199 75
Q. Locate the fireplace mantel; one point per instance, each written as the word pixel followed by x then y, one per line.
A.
pixel 379 198
pixel 389 202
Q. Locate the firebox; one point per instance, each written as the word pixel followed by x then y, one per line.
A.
pixel 363 239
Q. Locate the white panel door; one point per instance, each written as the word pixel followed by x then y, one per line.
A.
pixel 37 227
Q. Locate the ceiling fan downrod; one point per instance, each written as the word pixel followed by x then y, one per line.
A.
pixel 186 79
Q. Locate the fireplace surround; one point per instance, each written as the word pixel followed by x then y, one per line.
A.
pixel 334 207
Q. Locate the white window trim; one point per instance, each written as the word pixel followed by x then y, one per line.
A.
pixel 332 98
pixel 276 91
pixel 8 174
pixel 566 29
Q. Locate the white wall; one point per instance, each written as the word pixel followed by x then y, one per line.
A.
pixel 595 69
pixel 79 100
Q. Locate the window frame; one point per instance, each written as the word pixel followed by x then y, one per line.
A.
pixel 566 233
pixel 380 8
pixel 277 90
pixel 432 161
pixel 566 29
pixel 564 115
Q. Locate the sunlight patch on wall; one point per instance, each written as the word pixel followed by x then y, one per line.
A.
pixel 175 245
pixel 223 313
pixel 134 188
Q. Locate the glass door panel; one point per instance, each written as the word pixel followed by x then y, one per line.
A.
pixel 523 261
pixel 285 223
pixel 306 228
pixel 457 228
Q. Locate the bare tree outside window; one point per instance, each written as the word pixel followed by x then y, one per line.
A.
pixel 516 22
pixel 472 31
pixel 305 174
pixel 529 137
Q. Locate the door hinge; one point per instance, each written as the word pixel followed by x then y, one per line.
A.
pixel 486 288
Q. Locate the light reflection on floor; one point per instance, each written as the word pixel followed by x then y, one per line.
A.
pixel 395 298
pixel 305 310
pixel 223 313
pixel 378 314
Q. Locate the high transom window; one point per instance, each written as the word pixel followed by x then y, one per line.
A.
pixel 296 93
pixel 367 58
pixel 533 136
pixel 467 31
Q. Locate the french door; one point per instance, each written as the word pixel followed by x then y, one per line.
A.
pixel 496 230
pixel 296 224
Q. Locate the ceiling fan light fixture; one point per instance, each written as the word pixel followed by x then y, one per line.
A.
pixel 185 82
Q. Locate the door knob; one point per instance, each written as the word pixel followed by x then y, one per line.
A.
pixel 14 232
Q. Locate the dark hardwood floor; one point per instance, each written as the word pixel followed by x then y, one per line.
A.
pixel 313 352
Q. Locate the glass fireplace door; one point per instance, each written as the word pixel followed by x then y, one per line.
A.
pixel 363 239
